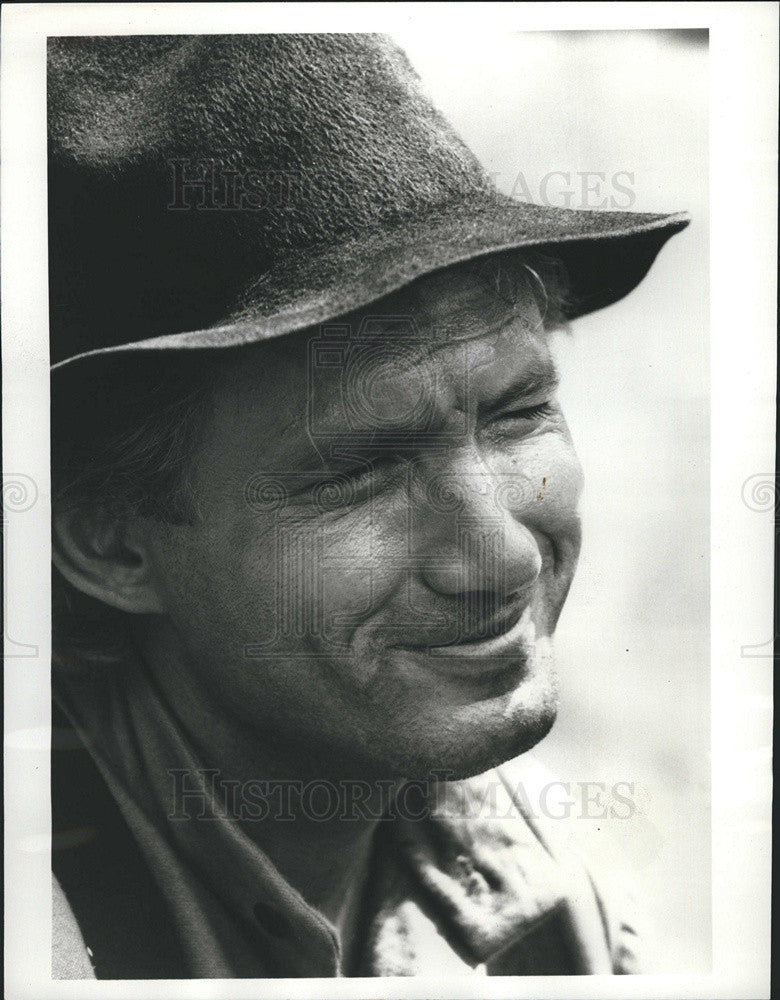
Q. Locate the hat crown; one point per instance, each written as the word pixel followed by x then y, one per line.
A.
pixel 182 167
pixel 257 184
pixel 335 123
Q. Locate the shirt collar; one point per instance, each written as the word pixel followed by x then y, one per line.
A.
pixel 458 885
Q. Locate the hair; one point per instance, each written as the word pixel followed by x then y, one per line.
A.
pixel 125 433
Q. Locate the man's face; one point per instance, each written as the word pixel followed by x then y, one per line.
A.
pixel 387 534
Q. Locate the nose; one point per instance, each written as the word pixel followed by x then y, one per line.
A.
pixel 473 535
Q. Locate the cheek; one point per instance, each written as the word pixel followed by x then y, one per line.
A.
pixel 364 561
pixel 219 582
pixel 553 484
pixel 284 579
pixel 549 481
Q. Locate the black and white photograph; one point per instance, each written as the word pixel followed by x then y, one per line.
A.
pixel 386 470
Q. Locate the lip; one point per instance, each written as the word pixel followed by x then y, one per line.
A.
pixel 506 622
pixel 508 652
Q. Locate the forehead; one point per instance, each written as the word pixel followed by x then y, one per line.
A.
pixel 470 300
pixel 445 344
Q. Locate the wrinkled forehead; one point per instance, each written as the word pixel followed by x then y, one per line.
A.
pixel 472 300
pixel 448 344
pixel 487 304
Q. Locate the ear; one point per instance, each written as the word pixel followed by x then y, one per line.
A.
pixel 105 558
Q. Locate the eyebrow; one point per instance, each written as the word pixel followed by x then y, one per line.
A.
pixel 401 433
pixel 541 377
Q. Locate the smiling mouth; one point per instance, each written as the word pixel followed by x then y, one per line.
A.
pixel 510 650
pixel 500 626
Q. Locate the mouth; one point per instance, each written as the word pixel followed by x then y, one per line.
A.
pixel 496 629
pixel 507 652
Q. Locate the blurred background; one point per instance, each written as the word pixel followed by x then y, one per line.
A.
pixel 618 120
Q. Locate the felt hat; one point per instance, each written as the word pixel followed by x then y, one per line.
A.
pixel 208 191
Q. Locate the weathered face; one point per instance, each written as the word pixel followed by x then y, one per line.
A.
pixel 388 532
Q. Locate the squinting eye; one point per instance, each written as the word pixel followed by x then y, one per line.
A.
pixel 363 481
pixel 370 470
pixel 530 412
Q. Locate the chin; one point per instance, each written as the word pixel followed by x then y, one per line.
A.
pixel 481 751
pixel 474 738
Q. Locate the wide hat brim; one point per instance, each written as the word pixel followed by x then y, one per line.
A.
pixel 352 185
pixel 605 254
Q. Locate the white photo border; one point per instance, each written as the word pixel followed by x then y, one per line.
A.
pixel 743 160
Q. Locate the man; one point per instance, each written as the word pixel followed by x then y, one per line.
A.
pixel 315 518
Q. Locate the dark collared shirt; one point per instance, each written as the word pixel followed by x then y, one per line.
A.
pixel 471 883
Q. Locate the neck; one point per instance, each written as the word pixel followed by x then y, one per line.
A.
pixel 317 829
